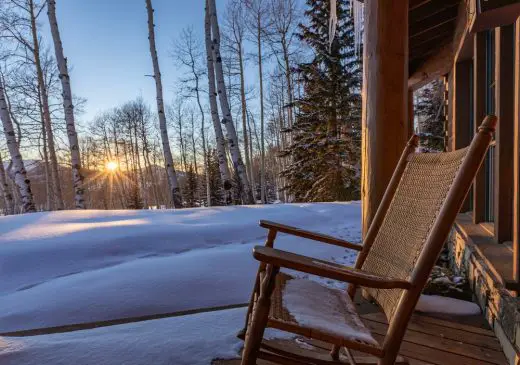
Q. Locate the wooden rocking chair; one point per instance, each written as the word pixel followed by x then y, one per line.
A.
pixel 400 249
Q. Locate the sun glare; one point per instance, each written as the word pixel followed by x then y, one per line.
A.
pixel 112 166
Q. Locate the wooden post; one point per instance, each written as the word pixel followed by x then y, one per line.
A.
pixel 385 98
pixel 479 112
pixel 516 160
pixel 504 135
pixel 461 134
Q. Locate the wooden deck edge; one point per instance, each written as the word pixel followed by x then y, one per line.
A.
pixel 115 322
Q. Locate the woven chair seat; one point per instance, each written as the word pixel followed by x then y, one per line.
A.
pixel 313 310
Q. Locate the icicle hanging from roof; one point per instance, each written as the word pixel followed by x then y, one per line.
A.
pixel 333 22
pixel 357 12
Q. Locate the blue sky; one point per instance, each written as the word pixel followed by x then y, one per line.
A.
pixel 106 43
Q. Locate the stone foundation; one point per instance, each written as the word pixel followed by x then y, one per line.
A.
pixel 500 308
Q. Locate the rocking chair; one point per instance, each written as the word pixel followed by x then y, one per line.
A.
pixel 400 249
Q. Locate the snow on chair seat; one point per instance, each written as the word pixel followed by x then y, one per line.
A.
pixel 310 309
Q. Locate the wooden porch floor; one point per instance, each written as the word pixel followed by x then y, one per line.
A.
pixel 428 341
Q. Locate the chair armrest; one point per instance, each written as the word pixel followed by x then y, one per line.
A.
pixel 309 235
pixel 326 269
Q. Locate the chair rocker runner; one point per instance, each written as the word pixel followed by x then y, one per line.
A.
pixel 400 249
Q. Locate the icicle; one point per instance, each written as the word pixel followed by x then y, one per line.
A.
pixel 358 9
pixel 333 22
pixel 357 12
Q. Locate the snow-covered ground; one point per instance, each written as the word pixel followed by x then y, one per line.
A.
pixel 187 340
pixel 82 266
pixel 73 267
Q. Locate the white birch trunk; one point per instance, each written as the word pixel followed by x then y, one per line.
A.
pixel 20 175
pixel 6 192
pixel 168 158
pixel 219 136
pixel 68 106
pixel 227 119
pixel 46 111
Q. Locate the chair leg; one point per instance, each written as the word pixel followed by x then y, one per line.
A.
pixel 255 331
pixel 242 333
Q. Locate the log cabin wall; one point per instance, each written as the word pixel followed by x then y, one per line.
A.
pixel 484 79
pixel 475 50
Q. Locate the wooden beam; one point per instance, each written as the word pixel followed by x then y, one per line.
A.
pixel 431 8
pixel 414 4
pixel 385 98
pixel 462 39
pixel 516 161
pixel 434 22
pixel 504 86
pixel 444 31
pixel 493 14
pixel 479 112
pixel 434 68
pixel 428 49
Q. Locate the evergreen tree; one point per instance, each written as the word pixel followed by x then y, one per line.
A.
pixel 190 188
pixel 429 110
pixel 215 181
pixel 326 135
pixel 133 200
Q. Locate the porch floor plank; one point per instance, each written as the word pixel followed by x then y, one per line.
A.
pixel 428 341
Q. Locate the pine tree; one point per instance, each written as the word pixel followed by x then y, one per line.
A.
pixel 190 187
pixel 133 199
pixel 215 181
pixel 325 150
pixel 429 111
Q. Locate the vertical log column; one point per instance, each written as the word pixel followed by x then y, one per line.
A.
pixel 385 98
pixel 479 112
pixel 516 161
pixel 461 134
pixel 504 135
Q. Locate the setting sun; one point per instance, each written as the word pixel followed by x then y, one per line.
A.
pixel 112 166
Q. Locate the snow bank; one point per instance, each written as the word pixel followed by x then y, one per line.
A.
pixel 187 340
pixel 81 266
pixel 446 305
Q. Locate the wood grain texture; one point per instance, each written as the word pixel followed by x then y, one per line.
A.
pixel 461 111
pixel 385 99
pixel 504 87
pixel 309 235
pixel 326 269
pixel 479 112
